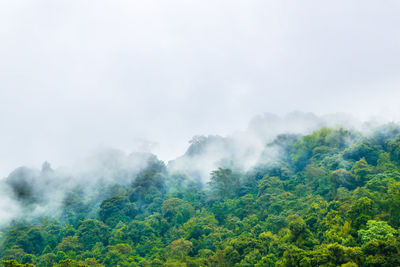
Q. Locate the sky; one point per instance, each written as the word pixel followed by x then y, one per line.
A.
pixel 76 76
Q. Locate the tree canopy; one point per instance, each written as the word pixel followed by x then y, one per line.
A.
pixel 331 198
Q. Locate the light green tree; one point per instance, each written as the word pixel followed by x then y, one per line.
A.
pixel 376 230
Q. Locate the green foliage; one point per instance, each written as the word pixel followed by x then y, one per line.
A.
pixel 320 143
pixel 224 183
pixel 376 230
pixel 176 211
pixel 90 232
pixel 343 178
pixel 179 248
pixel 394 149
pixel 116 209
pixel 14 263
pixel 332 198
pixel 366 150
pixel 360 212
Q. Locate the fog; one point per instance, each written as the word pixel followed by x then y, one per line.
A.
pixel 30 193
pixel 147 76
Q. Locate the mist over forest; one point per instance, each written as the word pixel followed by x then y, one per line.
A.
pixel 206 133
pixel 45 189
pixel 293 190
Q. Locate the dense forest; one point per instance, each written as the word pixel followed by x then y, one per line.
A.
pixel 327 198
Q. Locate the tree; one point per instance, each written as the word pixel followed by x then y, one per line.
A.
pixel 91 231
pixel 176 211
pixel 376 230
pixel 360 212
pixel 224 183
pixel 179 248
pixel 116 209
pixel 14 263
pixel 342 177
pixel 394 149
pixel 362 170
pixel 69 243
pixel 365 149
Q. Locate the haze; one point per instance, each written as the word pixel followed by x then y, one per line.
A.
pixel 149 75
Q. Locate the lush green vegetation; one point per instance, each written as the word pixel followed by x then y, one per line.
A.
pixel 331 198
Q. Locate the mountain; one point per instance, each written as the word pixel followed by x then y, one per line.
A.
pixel 322 195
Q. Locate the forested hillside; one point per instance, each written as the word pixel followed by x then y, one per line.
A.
pixel 329 198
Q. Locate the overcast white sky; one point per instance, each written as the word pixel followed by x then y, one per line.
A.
pixel 76 75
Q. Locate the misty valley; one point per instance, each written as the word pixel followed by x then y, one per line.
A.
pixel 295 191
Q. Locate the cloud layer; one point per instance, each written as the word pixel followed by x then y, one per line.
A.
pixel 149 75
